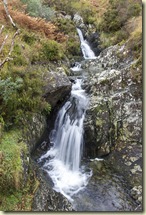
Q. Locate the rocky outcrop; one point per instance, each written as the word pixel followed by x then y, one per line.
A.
pixel 57 86
pixel 47 199
pixel 113 124
pixel 115 110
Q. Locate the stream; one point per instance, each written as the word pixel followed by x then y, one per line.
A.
pixel 88 184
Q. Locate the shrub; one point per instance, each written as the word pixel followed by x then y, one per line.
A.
pixel 51 50
pixel 73 47
pixel 37 9
pixel 134 9
pixel 66 25
pixel 29 38
pixel 11 164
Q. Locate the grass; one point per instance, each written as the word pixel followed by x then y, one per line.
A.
pixel 15 194
pixel 11 149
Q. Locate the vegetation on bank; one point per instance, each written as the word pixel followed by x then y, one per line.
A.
pixel 17 189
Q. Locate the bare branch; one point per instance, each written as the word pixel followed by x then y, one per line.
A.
pixel 8 58
pixel 7 12
pixel 2 46
pixel 1 29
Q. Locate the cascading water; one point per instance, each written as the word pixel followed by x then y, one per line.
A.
pixel 86 50
pixel 62 161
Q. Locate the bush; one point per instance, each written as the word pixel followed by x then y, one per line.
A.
pixel 66 25
pixel 134 10
pixel 51 50
pixel 73 47
pixel 37 9
pixel 29 38
pixel 118 13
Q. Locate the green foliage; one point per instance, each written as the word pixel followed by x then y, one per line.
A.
pixel 134 9
pixel 15 194
pixel 37 9
pixel 11 164
pixel 29 38
pixel 73 47
pixel 66 25
pixel 20 94
pixel 114 21
pixel 84 9
pixel 51 50
pixel 118 13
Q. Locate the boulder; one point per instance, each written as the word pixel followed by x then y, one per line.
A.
pixel 47 199
pixel 57 87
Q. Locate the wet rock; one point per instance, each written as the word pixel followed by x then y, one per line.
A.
pixel 34 131
pixel 47 199
pixel 105 191
pixel 94 42
pixel 114 103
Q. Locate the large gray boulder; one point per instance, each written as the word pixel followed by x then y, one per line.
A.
pixel 57 87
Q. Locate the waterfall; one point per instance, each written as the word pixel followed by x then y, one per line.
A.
pixel 86 50
pixel 62 161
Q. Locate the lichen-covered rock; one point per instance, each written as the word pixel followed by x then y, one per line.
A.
pixel 113 124
pixel 115 110
pixel 57 86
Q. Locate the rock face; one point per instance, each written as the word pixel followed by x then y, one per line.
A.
pixel 36 127
pixel 57 86
pixel 115 110
pixel 47 199
pixel 113 124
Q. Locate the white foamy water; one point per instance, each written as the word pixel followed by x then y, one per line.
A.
pixel 77 67
pixel 62 161
pixel 86 50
